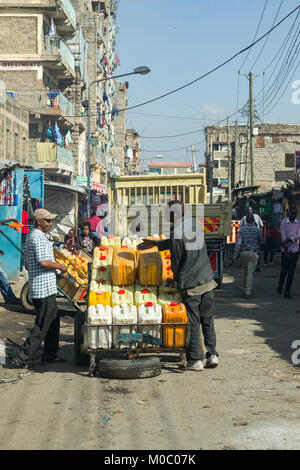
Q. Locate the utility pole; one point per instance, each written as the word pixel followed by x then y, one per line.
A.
pixel 211 170
pixel 229 159
pixel 194 160
pixel 251 110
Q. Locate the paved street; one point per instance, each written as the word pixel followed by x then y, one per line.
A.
pixel 248 402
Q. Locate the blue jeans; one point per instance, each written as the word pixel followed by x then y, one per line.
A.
pixel 5 288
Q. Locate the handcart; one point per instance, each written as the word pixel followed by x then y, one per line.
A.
pixel 131 344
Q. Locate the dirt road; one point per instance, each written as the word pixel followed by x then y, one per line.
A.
pixel 249 402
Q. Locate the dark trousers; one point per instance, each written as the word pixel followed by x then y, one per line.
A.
pixel 288 267
pixel 200 310
pixel 269 249
pixel 46 328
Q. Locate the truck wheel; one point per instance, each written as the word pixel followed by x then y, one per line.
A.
pixel 81 358
pixel 129 369
pixel 26 301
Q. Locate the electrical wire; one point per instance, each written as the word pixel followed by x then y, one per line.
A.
pixel 207 73
pixel 266 40
pixel 261 17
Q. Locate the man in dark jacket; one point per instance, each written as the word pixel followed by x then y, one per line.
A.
pixel 194 277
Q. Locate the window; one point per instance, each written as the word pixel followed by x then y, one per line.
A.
pixel 289 160
pixel 223 164
pixel 215 182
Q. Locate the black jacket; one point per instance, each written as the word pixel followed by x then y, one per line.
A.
pixel 189 260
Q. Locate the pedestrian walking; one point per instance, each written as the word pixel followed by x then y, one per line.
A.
pixel 259 223
pixel 194 277
pixel 41 266
pixel 270 237
pixel 247 244
pixel 290 235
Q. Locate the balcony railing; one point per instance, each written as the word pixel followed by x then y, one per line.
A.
pixel 66 157
pixel 36 100
pixel 50 155
pixel 70 10
pixel 57 46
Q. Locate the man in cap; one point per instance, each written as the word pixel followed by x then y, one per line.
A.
pixel 41 266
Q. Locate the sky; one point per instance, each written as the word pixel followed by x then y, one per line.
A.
pixel 182 40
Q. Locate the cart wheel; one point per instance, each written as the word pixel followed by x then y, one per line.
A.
pixel 129 369
pixel 26 301
pixel 80 357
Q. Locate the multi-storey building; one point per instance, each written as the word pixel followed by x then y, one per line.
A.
pixel 50 52
pixel 132 152
pixel 14 129
pixel 274 151
pixel 38 68
pixel 120 101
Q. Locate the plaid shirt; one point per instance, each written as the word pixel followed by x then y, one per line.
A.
pixel 42 282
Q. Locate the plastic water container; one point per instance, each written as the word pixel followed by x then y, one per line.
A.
pixel 96 298
pixel 100 286
pixel 122 296
pixel 123 267
pixel 102 256
pixel 168 298
pixel 112 241
pixel 151 289
pixel 99 338
pixel 174 336
pixel 126 314
pixel 143 296
pixel 131 242
pixel 167 270
pixel 165 287
pixel 101 273
pixel 126 288
pixel 150 313
pixel 150 268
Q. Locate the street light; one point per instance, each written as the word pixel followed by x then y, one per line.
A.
pixel 143 70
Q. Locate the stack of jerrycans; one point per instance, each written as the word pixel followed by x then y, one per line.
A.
pixel 123 310
pixel 100 287
pixel 145 297
pixel 174 336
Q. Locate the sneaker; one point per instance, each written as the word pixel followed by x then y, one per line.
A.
pixel 198 365
pixel 212 361
pixel 16 364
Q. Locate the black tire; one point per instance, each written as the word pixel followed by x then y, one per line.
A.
pixel 129 369
pixel 26 302
pixel 81 358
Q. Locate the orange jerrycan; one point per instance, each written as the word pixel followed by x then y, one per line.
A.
pixel 123 267
pixel 150 268
pixel 174 336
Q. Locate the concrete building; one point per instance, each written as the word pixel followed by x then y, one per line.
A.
pixel 38 68
pixel 169 168
pixel 120 102
pixel 50 51
pixel 275 146
pixel 132 152
pixel 14 132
